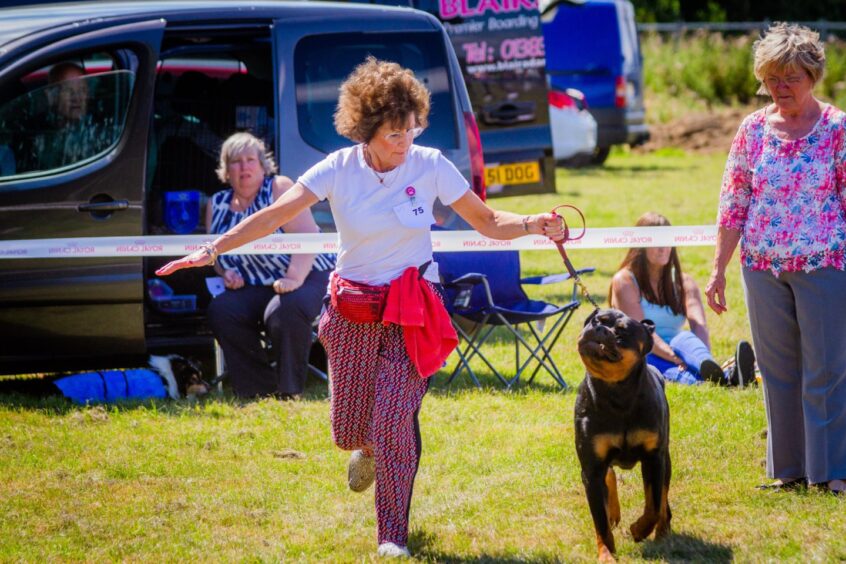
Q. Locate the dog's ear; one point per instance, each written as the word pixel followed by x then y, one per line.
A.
pixel 648 342
pixel 590 317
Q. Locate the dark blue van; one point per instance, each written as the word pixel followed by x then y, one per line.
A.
pixel 593 46
pixel 165 82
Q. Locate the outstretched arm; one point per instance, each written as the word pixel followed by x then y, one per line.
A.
pixel 261 223
pixel 498 224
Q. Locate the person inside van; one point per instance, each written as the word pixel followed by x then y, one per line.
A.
pixel 650 284
pixel 69 133
pixel 381 191
pixel 268 298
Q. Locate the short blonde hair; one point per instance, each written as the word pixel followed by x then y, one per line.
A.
pixel 788 46
pixel 238 144
pixel 378 92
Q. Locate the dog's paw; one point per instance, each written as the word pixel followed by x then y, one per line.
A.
pixel 613 518
pixel 605 555
pixel 605 547
pixel 662 530
pixel 642 528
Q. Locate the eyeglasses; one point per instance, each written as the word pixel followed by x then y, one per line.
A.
pixel 790 80
pixel 398 137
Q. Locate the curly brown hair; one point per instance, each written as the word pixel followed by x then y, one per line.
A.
pixel 378 92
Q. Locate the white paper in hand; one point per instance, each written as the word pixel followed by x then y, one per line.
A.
pixel 215 285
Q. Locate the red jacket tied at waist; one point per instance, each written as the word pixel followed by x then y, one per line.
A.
pixel 426 327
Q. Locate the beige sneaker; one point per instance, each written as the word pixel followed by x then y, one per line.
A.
pixel 361 471
pixel 391 550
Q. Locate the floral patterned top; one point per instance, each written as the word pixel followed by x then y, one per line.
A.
pixel 787 198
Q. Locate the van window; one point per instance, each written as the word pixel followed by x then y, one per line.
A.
pixel 587 39
pixel 64 115
pixel 322 62
pixel 628 31
pixel 207 88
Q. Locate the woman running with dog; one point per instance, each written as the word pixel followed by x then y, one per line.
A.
pixel 381 190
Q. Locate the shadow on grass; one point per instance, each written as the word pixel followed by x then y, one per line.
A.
pixel 420 544
pixel 489 383
pixel 675 548
pixel 643 168
pixel 686 548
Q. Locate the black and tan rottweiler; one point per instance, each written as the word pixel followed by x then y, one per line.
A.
pixel 622 418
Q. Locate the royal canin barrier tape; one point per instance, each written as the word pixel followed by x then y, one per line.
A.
pixel 309 243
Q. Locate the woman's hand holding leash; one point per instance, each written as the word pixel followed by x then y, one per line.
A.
pixel 560 241
pixel 547 224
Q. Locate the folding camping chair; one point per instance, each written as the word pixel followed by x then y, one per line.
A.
pixel 485 288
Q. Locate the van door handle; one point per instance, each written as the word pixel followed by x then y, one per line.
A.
pixel 113 206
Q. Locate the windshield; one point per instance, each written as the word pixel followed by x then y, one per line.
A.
pixel 323 62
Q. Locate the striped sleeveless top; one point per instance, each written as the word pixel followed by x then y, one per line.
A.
pixel 256 270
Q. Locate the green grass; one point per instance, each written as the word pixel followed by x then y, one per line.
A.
pixel 220 480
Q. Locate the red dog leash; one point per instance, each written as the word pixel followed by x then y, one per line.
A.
pixel 560 244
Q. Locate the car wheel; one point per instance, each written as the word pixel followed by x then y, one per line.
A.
pixel 600 154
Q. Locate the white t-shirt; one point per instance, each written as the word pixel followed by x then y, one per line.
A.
pixel 383 228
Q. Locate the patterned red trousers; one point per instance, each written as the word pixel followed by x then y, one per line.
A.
pixel 376 394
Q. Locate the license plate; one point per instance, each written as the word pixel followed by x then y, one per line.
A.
pixel 513 173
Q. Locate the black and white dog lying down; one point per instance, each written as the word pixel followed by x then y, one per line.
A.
pixel 183 376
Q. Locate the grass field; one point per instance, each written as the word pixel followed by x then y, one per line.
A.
pixel 221 480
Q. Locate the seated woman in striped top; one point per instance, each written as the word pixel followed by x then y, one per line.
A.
pixel 279 294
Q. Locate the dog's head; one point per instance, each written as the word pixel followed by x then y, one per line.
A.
pixel 612 343
pixel 189 376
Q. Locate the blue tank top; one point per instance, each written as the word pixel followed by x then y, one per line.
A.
pixel 667 323
pixel 256 270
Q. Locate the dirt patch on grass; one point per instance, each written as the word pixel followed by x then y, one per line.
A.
pixel 709 132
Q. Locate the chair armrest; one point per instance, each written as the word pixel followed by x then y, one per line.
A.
pixel 472 278
pixel 554 278
pixel 465 284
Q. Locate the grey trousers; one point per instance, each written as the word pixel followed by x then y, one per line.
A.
pixel 798 324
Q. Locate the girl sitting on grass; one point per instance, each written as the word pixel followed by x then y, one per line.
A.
pixel 650 284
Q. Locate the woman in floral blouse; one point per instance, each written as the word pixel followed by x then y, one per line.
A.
pixel 784 199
